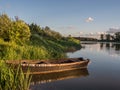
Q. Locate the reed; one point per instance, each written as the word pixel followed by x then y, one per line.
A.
pixel 13 79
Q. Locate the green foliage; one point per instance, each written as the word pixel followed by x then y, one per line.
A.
pixel 52 34
pixel 21 30
pixel 35 29
pixel 13 79
pixel 31 41
pixel 17 52
pixel 5 27
pixel 20 41
pixel 44 32
pixel 70 44
pixel 13 30
pixel 55 43
pixel 73 40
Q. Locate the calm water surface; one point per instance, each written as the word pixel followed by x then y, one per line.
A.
pixel 103 73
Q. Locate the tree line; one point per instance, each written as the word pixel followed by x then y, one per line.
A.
pixel 108 37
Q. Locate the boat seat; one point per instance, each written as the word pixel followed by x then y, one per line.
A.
pixel 68 61
pixel 42 62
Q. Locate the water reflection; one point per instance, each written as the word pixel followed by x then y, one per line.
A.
pixel 111 48
pixel 101 45
pixel 116 46
pixel 44 78
pixel 110 45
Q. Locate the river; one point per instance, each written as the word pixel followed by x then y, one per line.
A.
pixel 103 73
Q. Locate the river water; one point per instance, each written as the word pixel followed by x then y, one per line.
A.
pixel 103 73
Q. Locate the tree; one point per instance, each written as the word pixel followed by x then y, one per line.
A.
pixel 35 29
pixel 5 27
pixel 117 36
pixel 47 28
pixel 102 36
pixel 51 33
pixel 13 30
pixel 108 37
pixel 20 30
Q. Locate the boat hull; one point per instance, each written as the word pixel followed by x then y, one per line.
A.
pixel 39 67
pixel 49 68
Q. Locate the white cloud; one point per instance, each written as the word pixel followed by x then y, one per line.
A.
pixel 89 19
pixel 80 32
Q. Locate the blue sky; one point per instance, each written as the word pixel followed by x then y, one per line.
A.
pixel 66 16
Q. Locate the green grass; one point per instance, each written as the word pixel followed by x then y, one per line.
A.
pixel 42 44
pixel 30 52
pixel 37 49
pixel 13 79
pixel 28 42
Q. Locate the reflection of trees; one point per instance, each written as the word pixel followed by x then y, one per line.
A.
pixel 107 46
pixel 101 45
pixel 110 47
pixel 116 46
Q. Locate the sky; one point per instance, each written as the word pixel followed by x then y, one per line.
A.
pixel 67 16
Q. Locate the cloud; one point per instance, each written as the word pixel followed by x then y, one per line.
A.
pixel 89 19
pixel 113 30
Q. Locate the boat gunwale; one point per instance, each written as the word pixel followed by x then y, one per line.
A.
pixel 60 64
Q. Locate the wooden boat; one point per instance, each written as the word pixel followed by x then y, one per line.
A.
pixel 40 66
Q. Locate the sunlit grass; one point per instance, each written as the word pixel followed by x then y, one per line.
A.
pixel 13 79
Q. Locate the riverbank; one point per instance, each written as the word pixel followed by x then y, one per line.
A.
pixel 32 42
pixel 48 50
pixel 22 41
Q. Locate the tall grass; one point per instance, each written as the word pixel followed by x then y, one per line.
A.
pixel 30 52
pixel 13 79
pixel 38 48
pixel 23 52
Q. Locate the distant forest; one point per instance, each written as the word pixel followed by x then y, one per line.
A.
pixel 103 37
pixel 108 37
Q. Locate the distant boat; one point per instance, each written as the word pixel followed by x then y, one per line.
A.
pixel 44 66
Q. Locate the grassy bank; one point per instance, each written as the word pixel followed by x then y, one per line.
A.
pixel 22 41
pixel 19 40
pixel 46 50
